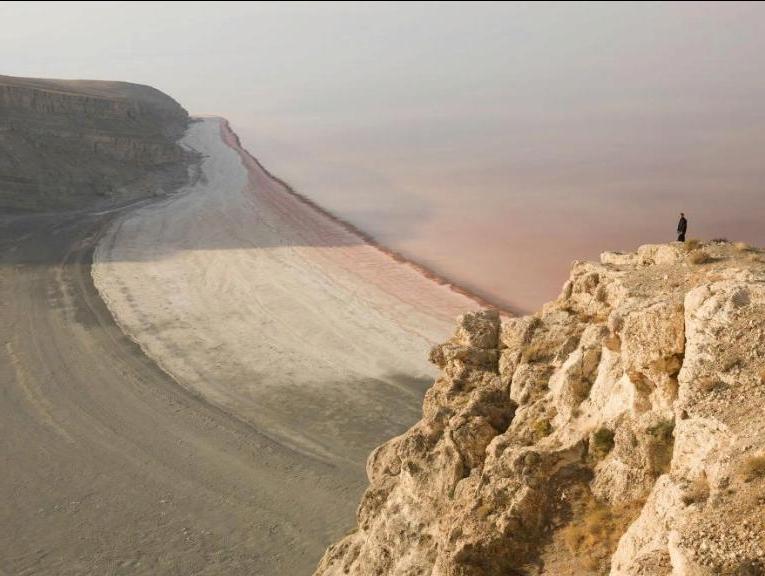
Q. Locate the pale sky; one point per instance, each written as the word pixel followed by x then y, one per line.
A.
pixel 495 142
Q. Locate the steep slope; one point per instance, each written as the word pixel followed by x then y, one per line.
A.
pixel 71 143
pixel 619 431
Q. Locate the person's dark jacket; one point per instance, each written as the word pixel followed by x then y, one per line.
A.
pixel 682 226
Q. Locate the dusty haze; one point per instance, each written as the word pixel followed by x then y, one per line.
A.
pixel 495 143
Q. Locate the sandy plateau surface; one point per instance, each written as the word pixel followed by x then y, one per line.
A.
pixel 267 308
pixel 290 347
pixel 215 418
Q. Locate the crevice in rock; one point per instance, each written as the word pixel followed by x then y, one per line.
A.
pixel 601 459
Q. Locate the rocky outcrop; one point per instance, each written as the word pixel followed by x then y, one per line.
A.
pixel 619 430
pixel 67 144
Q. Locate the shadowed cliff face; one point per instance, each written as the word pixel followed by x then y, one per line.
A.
pixel 75 143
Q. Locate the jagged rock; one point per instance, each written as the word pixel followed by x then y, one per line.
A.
pixel 479 330
pixel 618 259
pixel 651 254
pixel 617 431
pixel 570 384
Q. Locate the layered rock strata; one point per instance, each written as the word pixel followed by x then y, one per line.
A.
pixel 69 144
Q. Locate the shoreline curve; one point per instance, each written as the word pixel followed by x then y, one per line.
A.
pixel 232 139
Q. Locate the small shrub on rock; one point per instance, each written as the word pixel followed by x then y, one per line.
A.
pixel 542 428
pixel 698 256
pixel 753 468
pixel 601 443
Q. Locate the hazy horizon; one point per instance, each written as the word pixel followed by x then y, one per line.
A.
pixel 494 142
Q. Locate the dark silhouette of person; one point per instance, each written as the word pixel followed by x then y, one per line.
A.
pixel 682 228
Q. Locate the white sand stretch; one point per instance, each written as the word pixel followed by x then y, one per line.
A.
pixel 271 310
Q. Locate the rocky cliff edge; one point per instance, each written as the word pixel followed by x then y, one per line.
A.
pixel 620 430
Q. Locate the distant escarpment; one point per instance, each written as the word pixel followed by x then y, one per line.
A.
pixel 617 431
pixel 73 143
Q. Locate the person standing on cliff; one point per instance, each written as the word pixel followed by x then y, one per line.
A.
pixel 682 227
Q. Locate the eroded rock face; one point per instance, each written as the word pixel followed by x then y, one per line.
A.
pixel 620 430
pixel 69 144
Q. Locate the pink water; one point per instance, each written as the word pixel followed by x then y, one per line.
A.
pixel 505 142
pixel 507 223
pixel 494 142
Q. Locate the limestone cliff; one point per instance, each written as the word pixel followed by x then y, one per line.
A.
pixel 620 430
pixel 66 144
